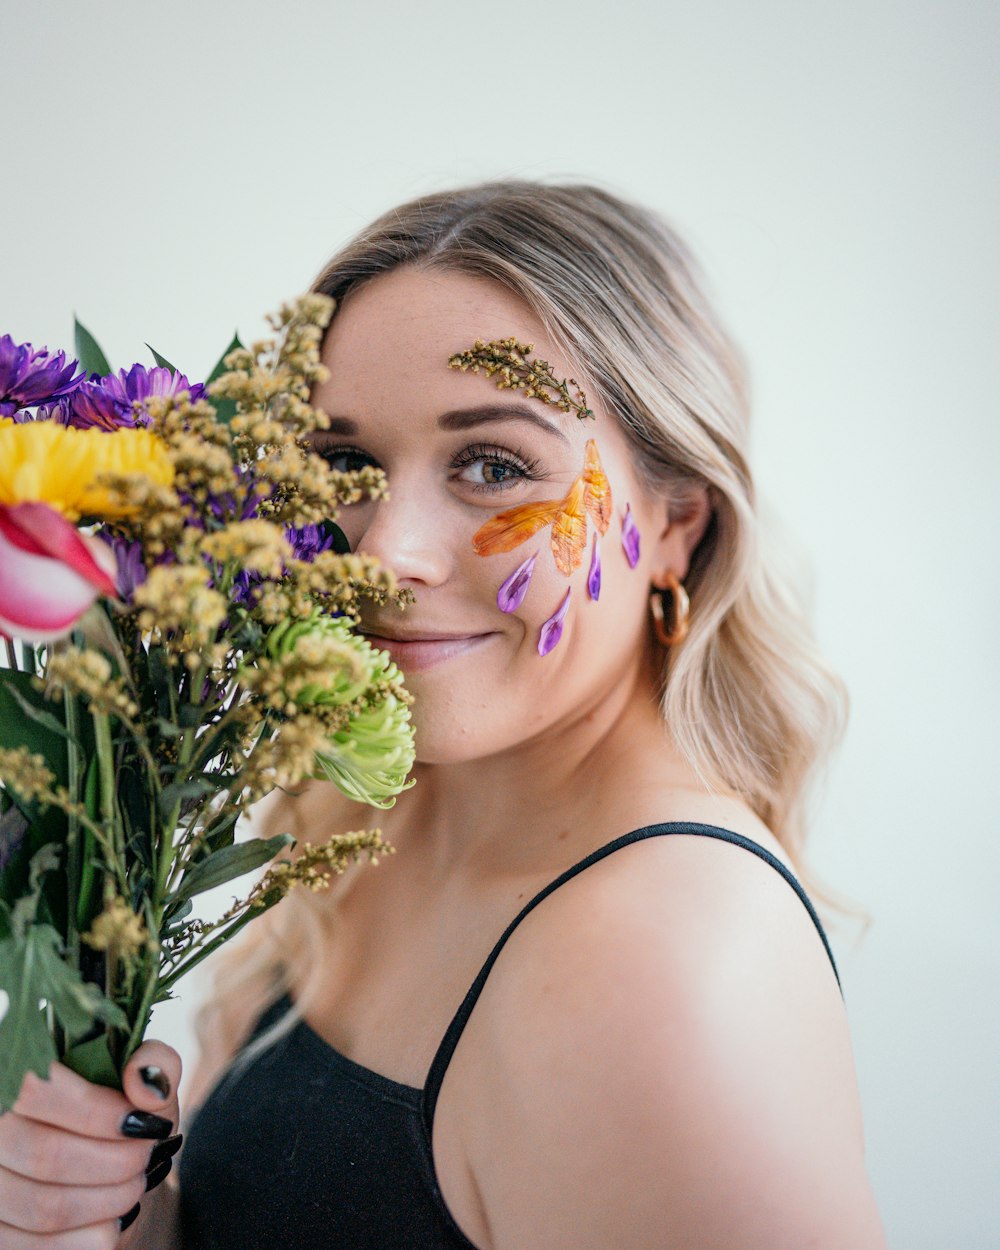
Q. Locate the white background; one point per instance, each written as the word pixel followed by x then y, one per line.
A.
pixel 173 171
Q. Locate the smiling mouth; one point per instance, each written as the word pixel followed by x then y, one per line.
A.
pixel 416 652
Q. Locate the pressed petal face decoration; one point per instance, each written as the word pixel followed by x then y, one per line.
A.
pixel 511 594
pixel 630 537
pixel 589 497
pixel 594 575
pixel 551 631
pixel 590 494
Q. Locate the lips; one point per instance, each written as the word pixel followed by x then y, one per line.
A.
pixel 415 651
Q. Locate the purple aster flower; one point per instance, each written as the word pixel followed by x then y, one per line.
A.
pixel 244 586
pixel 594 576
pixel 630 537
pixel 131 569
pixel 101 403
pixel 308 541
pixel 553 627
pixel 117 400
pixel 29 377
pixel 140 383
pixel 511 594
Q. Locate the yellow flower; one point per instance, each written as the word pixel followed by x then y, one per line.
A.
pixel 117 928
pixel 44 462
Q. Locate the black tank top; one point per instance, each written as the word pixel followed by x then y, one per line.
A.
pixel 304 1149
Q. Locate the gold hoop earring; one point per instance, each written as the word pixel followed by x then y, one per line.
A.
pixel 675 631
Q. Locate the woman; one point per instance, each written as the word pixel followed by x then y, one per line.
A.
pixel 617 711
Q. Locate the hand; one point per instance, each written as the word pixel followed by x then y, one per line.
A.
pixel 76 1158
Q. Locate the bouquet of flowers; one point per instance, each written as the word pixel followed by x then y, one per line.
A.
pixel 177 614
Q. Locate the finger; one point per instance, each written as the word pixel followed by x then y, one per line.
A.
pixel 67 1101
pixel 43 1153
pixel 151 1079
pixel 104 1236
pixel 35 1207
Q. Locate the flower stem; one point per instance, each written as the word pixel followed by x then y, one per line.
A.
pixel 73 864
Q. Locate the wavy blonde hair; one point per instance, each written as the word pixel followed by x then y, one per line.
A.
pixel 748 699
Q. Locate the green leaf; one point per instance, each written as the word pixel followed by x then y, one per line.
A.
pixel 229 863
pixel 193 788
pixel 225 409
pixel 162 361
pixel 88 899
pixel 220 364
pixel 18 729
pixel 222 832
pixel 340 544
pixel 25 909
pixel 190 715
pixel 32 970
pixel 39 714
pixel 220 939
pixel 88 352
pixel 92 1060
pixel 174 917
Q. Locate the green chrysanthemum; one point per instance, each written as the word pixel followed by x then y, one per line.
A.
pixel 370 757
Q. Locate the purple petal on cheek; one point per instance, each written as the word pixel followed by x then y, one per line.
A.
pixel 594 576
pixel 552 629
pixel 511 594
pixel 630 537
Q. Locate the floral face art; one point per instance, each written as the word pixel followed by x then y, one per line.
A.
pixel 589 496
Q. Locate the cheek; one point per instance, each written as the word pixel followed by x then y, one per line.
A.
pixel 596 611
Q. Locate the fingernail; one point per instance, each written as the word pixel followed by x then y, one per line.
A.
pixel 145 1124
pixel 156 1079
pixel 124 1221
pixel 158 1174
pixel 164 1150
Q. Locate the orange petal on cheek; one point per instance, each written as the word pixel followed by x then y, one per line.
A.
pixel 509 529
pixel 569 531
pixel 597 493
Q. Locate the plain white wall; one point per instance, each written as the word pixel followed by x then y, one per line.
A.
pixel 172 172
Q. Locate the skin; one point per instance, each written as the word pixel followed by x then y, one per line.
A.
pixel 66 1170
pixel 660 1057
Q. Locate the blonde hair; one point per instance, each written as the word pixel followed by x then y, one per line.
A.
pixel 747 697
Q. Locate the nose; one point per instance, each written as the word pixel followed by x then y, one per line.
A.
pixel 409 533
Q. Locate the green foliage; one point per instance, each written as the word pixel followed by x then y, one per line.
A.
pixel 162 361
pixel 88 352
pixel 35 977
pixel 225 409
pixel 229 863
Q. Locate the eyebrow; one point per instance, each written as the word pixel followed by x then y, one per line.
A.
pixel 468 418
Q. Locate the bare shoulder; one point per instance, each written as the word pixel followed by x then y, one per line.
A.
pixel 666 1053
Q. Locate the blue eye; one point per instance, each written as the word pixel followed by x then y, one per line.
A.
pixel 345 459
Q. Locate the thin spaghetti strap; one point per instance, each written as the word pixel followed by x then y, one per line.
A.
pixel 435 1076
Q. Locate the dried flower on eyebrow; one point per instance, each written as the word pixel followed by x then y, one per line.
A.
pixel 511 360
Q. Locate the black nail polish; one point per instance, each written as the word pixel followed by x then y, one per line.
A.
pixel 164 1150
pixel 158 1174
pixel 124 1221
pixel 156 1079
pixel 145 1124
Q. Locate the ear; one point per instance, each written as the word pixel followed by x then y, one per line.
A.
pixel 686 514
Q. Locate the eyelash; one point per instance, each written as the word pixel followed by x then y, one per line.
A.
pixel 528 468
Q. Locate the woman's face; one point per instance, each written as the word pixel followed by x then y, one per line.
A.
pixel 458 451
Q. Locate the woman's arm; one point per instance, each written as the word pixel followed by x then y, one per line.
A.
pixel 664 1062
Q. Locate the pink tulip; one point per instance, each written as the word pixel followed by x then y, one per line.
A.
pixel 50 573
